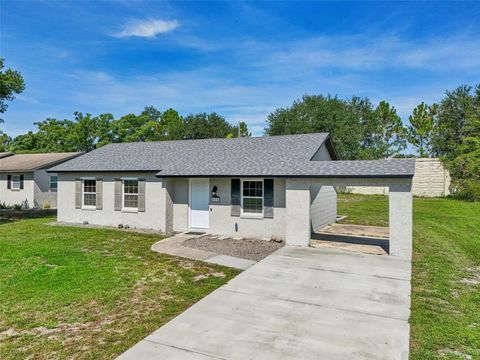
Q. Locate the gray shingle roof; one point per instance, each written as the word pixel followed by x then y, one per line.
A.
pixel 5 154
pixel 287 155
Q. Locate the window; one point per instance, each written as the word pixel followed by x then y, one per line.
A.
pixel 89 193
pixel 252 197
pixel 130 194
pixel 15 182
pixel 53 183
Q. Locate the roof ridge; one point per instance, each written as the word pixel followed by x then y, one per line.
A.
pixel 213 139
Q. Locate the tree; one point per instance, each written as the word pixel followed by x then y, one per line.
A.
pixel 131 127
pixel 456 139
pixel 420 128
pixel 384 134
pixel 5 142
pixel 205 126
pixel 357 129
pixel 11 82
pixel 171 125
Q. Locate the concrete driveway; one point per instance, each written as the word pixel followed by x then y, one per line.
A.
pixel 298 303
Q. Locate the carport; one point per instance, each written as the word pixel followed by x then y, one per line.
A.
pixel 396 174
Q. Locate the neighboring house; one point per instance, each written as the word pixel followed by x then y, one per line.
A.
pixel 281 186
pixel 24 179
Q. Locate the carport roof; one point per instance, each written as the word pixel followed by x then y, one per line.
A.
pixel 275 156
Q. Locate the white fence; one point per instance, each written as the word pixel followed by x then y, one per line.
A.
pixel 431 179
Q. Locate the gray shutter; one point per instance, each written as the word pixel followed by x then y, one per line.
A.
pixel 235 197
pixel 9 181
pixel 118 195
pixel 78 193
pixel 268 198
pixel 21 182
pixel 99 194
pixel 141 194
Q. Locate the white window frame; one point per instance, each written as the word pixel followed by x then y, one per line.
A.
pixel 88 207
pixel 249 214
pixel 124 208
pixel 18 182
pixel 50 183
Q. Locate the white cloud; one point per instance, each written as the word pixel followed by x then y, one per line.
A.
pixel 147 28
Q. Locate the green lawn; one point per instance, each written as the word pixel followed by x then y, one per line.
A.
pixel 445 319
pixel 89 293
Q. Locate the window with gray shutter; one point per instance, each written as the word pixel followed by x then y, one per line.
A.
pixel 78 193
pixel 268 198
pixel 118 195
pixel 235 197
pixel 141 194
pixel 99 194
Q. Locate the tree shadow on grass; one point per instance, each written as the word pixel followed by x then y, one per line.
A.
pixel 9 216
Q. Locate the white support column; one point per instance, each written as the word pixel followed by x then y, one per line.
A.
pixel 298 230
pixel 400 218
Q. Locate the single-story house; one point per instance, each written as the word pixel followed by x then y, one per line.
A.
pixel 280 186
pixel 24 179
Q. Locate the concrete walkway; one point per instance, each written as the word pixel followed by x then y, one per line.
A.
pixel 298 303
pixel 173 246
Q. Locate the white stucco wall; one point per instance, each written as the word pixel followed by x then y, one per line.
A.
pixel 154 216
pixel 323 208
pixel 13 197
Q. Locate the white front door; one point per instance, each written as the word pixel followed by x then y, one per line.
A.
pixel 199 199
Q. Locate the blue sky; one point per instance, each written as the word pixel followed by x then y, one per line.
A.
pixel 240 59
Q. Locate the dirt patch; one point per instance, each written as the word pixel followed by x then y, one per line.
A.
pixel 250 249
pixel 458 354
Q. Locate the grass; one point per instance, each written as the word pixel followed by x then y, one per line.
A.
pixel 445 318
pixel 68 292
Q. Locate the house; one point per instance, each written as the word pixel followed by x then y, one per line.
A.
pixel 24 179
pixel 281 186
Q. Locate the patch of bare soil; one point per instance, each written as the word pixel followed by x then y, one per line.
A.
pixel 251 249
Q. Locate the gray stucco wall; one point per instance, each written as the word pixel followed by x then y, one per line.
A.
pixel 323 208
pixel 13 197
pixel 322 154
pixel 221 221
pixel 42 193
pixel 154 216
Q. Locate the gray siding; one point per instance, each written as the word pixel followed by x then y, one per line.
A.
pixel 323 206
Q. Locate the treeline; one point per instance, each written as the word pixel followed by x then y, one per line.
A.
pixel 359 129
pixel 449 130
pixel 87 132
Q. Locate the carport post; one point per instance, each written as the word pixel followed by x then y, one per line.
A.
pixel 400 218
pixel 297 203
